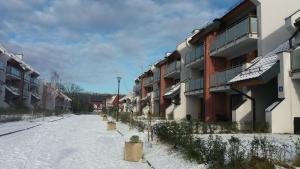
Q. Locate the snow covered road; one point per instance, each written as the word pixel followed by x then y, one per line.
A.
pixel 80 142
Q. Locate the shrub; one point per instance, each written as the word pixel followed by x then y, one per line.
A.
pixel 135 139
pixel 216 152
pixel 235 152
pixel 125 117
pixel 139 125
pixel 297 151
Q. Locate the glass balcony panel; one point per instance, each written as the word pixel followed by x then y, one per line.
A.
pixel 246 26
pixel 194 84
pixel 172 67
pixel 13 71
pixel 296 60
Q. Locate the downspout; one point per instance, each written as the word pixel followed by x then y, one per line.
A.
pixel 253 105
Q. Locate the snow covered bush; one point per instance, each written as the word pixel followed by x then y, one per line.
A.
pixel 236 153
pixel 135 139
pixel 297 150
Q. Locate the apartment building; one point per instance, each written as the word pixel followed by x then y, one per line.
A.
pixel 19 81
pixel 169 85
pixel 137 94
pixel 241 67
pixel 146 89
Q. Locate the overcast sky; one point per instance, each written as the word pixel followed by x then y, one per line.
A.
pixel 90 42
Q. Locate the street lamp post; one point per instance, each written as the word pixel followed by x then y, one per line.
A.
pixel 119 79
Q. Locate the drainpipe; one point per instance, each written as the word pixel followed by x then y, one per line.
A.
pixel 253 105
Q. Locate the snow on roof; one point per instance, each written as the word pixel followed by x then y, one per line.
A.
pixel 261 64
pixel 174 88
pixel 64 96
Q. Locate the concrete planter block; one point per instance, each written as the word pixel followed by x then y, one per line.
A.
pixel 104 118
pixel 111 125
pixel 133 151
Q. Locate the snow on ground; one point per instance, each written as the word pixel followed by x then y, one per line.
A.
pixel 19 125
pixel 80 142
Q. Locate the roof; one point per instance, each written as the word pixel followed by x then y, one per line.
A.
pixel 19 60
pixel 174 55
pixel 64 96
pixel 261 64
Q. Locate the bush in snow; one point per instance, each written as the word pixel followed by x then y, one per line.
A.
pixel 297 150
pixel 236 153
pixel 135 139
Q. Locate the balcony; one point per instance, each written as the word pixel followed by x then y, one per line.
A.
pixel 27 77
pixel 148 81
pixel 13 72
pixel 238 38
pixel 25 93
pixel 222 78
pixel 172 70
pixel 34 82
pixel 194 87
pixel 156 94
pixel 156 76
pixel 172 90
pixel 13 90
pixel 36 96
pixel 137 88
pixel 195 59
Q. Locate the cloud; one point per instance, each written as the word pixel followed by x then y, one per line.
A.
pixel 90 42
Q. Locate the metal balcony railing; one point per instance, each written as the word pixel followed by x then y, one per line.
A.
pixel 172 67
pixel 34 81
pixel 240 29
pixel 13 88
pixel 156 76
pixel 296 60
pixel 25 93
pixel 194 84
pixel 137 87
pixel 156 94
pixel 198 53
pixel 27 77
pixel 148 81
pixel 222 78
pixel 13 71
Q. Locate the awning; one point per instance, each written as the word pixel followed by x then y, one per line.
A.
pixel 12 91
pixel 173 91
pixel 265 67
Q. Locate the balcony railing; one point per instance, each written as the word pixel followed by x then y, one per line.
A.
pixel 172 67
pixel 34 81
pixel 14 89
pixel 222 78
pixel 296 61
pixel 156 94
pixel 195 55
pixel 25 93
pixel 137 88
pixel 27 77
pixel 156 76
pixel 244 27
pixel 194 84
pixel 13 71
pixel 148 81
